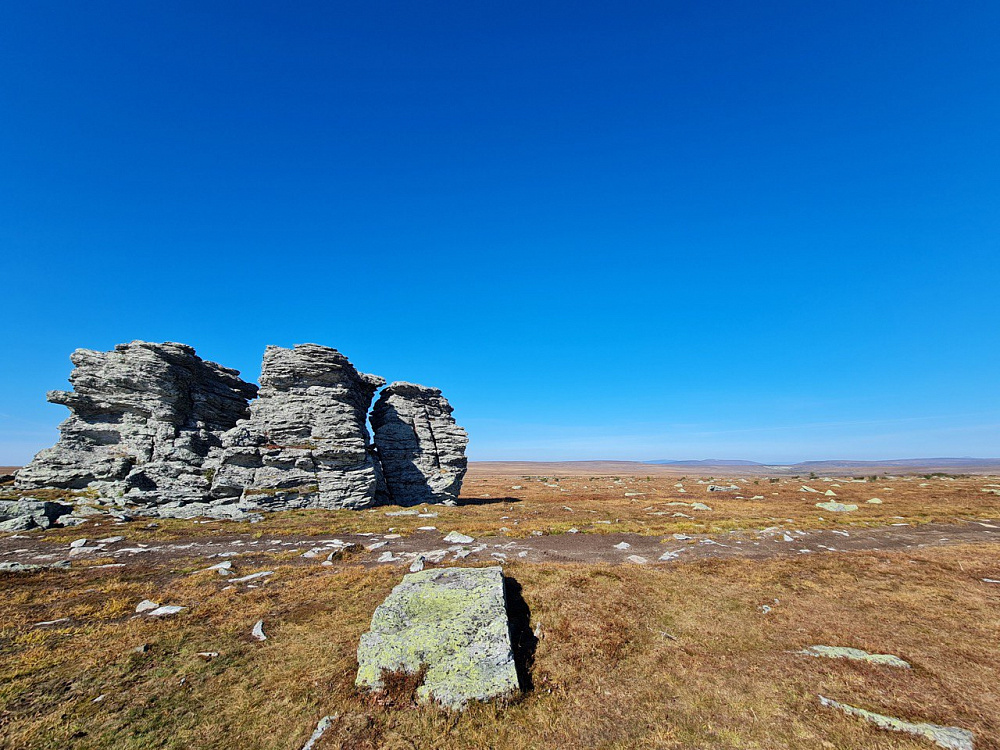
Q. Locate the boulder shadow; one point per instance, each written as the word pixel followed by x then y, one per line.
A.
pixel 486 500
pixel 522 639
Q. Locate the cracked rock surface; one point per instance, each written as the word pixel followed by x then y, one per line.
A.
pixel 143 419
pixel 306 442
pixel 421 448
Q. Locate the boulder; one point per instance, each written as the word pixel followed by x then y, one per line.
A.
pixel 306 442
pixel 143 418
pixel 450 622
pixel 421 448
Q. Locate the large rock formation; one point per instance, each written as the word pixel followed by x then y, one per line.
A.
pixel 143 418
pixel 453 623
pixel 306 442
pixel 421 448
pixel 155 427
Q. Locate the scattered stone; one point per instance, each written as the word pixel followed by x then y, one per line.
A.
pixel 807 489
pixel 417 565
pixel 166 610
pixel 723 488
pixel 222 568
pixel 145 605
pixel 875 501
pixel 831 493
pixel 78 543
pixel 47 623
pixel 16 567
pixel 207 655
pixel 835 507
pixel 451 622
pixel 252 576
pixel 637 559
pixel 258 631
pixel 670 555
pixel 952 738
pixel 454 537
pixel 421 448
pixel 855 654
pixel 325 723
pixel 623 546
pixel 699 506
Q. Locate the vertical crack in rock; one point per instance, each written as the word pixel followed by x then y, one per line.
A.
pixel 421 448
pixel 143 419
pixel 306 443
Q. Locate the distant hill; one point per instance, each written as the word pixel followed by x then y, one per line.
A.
pixel 707 462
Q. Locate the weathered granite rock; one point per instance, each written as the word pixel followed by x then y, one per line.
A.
pixel 306 442
pixel 421 448
pixel 143 418
pixel 451 622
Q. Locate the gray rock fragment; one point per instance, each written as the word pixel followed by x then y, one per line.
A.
pixel 421 448
pixel 325 723
pixel 855 654
pixel 952 738
pixel 451 622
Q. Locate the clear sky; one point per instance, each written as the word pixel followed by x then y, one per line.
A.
pixel 641 230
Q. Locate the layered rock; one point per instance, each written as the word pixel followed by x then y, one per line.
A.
pixel 306 442
pixel 143 419
pixel 421 448
pixel 450 622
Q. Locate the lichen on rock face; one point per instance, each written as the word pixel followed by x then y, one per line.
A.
pixel 421 448
pixel 453 623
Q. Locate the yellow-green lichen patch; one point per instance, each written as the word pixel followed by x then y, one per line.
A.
pixel 451 622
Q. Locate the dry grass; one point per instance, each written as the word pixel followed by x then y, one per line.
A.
pixel 628 657
pixel 553 505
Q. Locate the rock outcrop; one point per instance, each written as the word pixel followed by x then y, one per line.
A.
pixel 451 622
pixel 155 428
pixel 421 448
pixel 143 418
pixel 306 443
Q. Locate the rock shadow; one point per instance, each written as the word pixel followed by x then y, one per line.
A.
pixel 522 639
pixel 486 500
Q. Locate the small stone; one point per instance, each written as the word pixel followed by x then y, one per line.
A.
pixel 835 507
pixel 831 493
pixel 623 546
pixel 637 559
pixel 77 543
pixel 145 605
pixel 207 655
pixel 320 730
pixel 699 506
pixel 417 565
pixel 875 501
pixel 252 576
pixel 258 631
pixel 454 537
pixel 165 611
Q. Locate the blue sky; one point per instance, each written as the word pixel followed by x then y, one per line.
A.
pixel 633 230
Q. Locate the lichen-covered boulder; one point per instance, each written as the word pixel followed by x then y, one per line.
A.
pixel 306 443
pixel 143 419
pixel 451 622
pixel 421 448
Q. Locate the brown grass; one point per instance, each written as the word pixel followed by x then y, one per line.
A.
pixel 598 505
pixel 627 657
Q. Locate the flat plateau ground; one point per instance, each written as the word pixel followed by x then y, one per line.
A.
pixel 625 649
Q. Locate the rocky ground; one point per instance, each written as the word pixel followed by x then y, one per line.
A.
pixel 655 611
